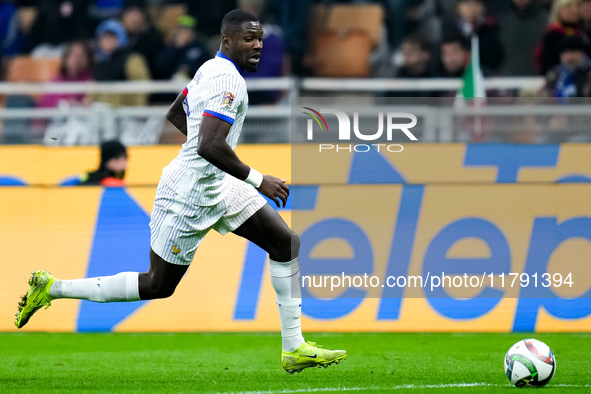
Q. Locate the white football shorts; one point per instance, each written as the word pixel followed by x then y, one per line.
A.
pixel 178 226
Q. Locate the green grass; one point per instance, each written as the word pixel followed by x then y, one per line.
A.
pixel 41 362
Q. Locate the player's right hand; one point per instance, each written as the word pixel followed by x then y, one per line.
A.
pixel 275 189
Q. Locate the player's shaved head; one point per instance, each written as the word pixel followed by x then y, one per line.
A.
pixel 242 39
pixel 233 20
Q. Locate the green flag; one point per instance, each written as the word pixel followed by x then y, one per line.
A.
pixel 473 95
pixel 473 80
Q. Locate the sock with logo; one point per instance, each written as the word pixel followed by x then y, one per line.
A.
pixel 285 278
pixel 117 288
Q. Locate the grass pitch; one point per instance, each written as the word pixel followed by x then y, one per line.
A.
pixel 197 363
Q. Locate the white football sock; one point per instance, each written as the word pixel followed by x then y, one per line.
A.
pixel 285 278
pixel 118 288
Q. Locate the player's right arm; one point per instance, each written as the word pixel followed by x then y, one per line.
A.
pixel 212 146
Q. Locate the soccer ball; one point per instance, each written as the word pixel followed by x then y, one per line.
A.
pixel 530 363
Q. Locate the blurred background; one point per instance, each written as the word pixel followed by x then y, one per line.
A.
pixel 503 176
pixel 89 71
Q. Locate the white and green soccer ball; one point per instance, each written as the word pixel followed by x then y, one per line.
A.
pixel 530 363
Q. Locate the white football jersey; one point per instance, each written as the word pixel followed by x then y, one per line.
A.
pixel 217 89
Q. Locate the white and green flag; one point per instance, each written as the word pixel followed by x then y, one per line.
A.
pixel 473 95
pixel 473 80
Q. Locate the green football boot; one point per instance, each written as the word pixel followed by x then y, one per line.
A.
pixel 310 355
pixel 36 298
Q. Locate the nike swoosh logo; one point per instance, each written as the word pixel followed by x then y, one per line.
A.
pixel 314 356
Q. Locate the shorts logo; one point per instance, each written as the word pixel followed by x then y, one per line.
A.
pixel 228 100
pixel 175 250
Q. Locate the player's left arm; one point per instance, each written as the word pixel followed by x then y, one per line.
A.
pixel 212 146
pixel 176 113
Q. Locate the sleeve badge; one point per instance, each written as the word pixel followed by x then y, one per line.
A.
pixel 228 100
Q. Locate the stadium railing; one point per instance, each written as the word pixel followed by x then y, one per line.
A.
pixel 294 86
pixel 270 124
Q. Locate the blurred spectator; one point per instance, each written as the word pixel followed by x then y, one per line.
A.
pixel 416 51
pixel 396 18
pixel 294 22
pixel 76 66
pixel 11 39
pixel 417 54
pixel 184 55
pixel 143 37
pixel 498 7
pixel 115 62
pixel 422 18
pixel 272 59
pixel 472 19
pixel 572 77
pixel 407 17
pixel 111 171
pixel 564 21
pixel 58 22
pixel 14 131
pixel 586 16
pixel 101 10
pixel 447 9
pixel 455 56
pixel 19 130
pixel 522 27
pixel 546 4
pixel 273 11
pixel 209 14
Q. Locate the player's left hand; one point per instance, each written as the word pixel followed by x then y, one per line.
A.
pixel 275 189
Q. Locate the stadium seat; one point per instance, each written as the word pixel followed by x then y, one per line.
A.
pixel 31 69
pixel 368 18
pixel 343 53
pixel 365 17
pixel 342 38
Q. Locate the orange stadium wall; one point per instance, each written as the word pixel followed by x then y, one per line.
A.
pixel 534 197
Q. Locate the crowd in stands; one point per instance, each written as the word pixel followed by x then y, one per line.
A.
pixel 118 40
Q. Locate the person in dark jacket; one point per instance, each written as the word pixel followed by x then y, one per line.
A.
pixel 525 19
pixel 117 62
pixel 184 55
pixel 143 37
pixel 417 54
pixel 11 36
pixel 572 77
pixel 58 22
pixel 473 19
pixel 455 56
pixel 585 11
pixel 111 171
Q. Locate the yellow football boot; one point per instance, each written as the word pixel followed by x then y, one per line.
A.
pixel 310 355
pixel 36 298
